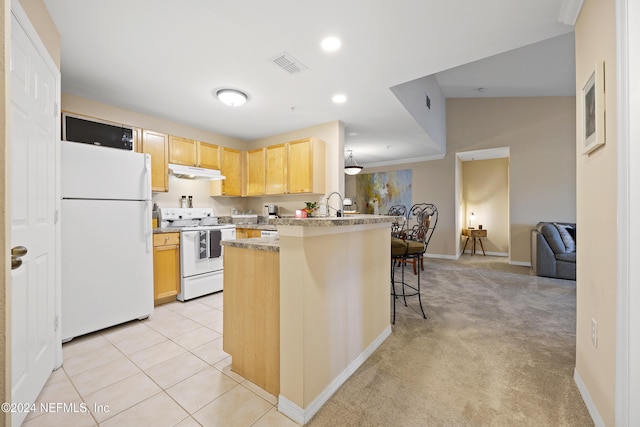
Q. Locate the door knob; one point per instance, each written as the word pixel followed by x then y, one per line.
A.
pixel 16 253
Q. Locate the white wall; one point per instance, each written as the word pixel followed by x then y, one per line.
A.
pixel 597 218
pixel 413 94
pixel 540 134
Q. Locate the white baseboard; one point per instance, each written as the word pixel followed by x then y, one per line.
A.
pixel 290 409
pixel 586 397
pixel 303 416
pixel 502 254
pixel 440 256
pixel 505 254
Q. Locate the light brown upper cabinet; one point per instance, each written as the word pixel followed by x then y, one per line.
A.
pixel 255 172
pixel 182 151
pixel 137 140
pixel 157 144
pixel 231 168
pixel 208 155
pixel 305 166
pixel 295 167
pixel 188 152
pixel 276 169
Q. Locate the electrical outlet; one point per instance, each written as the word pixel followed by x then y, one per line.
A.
pixel 594 333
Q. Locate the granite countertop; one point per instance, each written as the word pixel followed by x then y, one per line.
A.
pixel 271 243
pixel 333 221
pixel 160 230
pixel 302 222
pixel 269 227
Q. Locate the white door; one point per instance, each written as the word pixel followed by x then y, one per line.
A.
pixel 33 180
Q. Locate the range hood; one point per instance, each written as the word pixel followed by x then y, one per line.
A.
pixel 192 172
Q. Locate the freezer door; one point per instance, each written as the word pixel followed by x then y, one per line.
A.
pixel 107 264
pixel 91 172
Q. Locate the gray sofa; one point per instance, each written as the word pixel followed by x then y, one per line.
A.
pixel 553 252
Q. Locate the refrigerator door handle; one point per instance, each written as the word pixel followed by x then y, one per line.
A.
pixel 148 231
pixel 147 175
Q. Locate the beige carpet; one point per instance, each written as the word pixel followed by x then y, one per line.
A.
pixel 497 349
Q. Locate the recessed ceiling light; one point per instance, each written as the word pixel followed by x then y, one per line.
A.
pixel 331 44
pixel 339 98
pixel 231 97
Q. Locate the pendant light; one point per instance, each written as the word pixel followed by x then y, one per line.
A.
pixel 350 166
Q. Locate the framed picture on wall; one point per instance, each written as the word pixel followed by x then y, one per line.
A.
pixel 593 110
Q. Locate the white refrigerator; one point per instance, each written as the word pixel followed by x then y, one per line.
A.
pixel 106 237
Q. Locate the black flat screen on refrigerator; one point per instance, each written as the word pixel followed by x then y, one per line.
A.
pixel 76 129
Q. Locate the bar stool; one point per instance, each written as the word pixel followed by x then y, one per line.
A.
pixel 411 247
pixel 399 226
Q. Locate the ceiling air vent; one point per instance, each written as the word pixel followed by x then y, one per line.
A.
pixel 288 63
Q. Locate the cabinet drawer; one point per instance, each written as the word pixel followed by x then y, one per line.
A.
pixel 161 239
pixel 471 232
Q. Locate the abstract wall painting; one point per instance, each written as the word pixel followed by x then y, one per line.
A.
pixel 377 192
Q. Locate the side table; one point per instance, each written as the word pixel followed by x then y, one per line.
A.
pixel 474 234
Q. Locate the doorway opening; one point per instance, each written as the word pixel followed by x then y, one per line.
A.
pixel 482 200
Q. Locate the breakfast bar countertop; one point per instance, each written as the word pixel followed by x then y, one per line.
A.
pixel 259 226
pixel 271 243
pixel 332 221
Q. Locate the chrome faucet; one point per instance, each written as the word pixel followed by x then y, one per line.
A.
pixel 338 211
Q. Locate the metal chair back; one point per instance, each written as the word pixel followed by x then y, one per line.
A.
pixel 398 228
pixel 426 215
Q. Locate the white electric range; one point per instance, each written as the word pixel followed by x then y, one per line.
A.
pixel 201 262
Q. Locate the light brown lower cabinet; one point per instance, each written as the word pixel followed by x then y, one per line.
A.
pixel 166 267
pixel 247 233
pixel 251 326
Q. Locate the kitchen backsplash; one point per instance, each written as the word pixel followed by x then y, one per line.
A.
pixel 223 206
pixel 199 189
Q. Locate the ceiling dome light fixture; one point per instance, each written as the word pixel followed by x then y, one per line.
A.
pixel 331 44
pixel 339 98
pixel 231 97
pixel 350 166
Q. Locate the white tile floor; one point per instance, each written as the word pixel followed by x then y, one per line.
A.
pixel 163 371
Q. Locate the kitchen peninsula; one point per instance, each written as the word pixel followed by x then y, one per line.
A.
pixel 302 311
